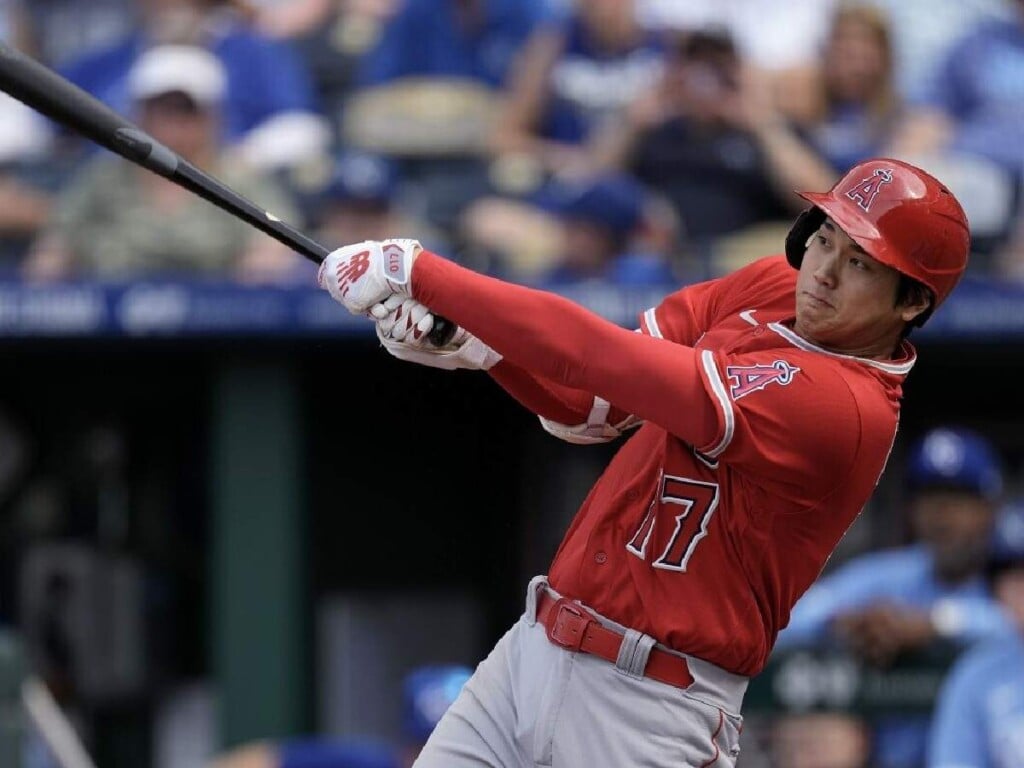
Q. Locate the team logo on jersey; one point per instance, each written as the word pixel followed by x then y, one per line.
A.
pixel 864 192
pixel 744 379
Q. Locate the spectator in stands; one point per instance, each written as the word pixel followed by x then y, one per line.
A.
pixel 1008 263
pixel 269 98
pixel 333 36
pixel 781 48
pixel 27 180
pixel 852 113
pixel 572 78
pixel 884 604
pixel 427 692
pixel 26 151
pixel 360 202
pixel 681 139
pixel 966 130
pixel 428 95
pixel 601 219
pixel 58 31
pixel 357 203
pixel 118 221
pixel 923 32
pixel 473 39
pixel 975 105
pixel 979 721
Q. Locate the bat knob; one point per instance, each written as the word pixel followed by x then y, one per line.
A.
pixel 442 332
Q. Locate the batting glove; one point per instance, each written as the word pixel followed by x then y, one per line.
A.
pixel 403 325
pixel 361 275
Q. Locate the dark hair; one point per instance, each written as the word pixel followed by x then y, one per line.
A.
pixel 712 42
pixel 911 291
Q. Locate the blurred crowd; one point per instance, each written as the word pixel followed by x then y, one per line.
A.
pixel 634 141
pixel 640 142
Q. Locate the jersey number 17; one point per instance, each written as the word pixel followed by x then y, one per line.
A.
pixel 689 504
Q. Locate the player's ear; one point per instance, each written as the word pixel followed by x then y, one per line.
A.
pixel 913 299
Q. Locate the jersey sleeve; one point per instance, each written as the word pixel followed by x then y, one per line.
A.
pixel 673 385
pixel 684 316
pixel 792 420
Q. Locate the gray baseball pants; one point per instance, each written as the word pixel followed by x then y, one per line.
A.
pixel 532 704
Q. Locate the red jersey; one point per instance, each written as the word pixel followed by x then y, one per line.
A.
pixel 716 516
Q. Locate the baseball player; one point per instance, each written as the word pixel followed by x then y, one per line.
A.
pixel 769 401
pixel 979 722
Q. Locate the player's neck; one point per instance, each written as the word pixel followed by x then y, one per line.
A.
pixel 887 347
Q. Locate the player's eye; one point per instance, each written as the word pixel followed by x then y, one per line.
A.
pixel 858 263
pixel 822 240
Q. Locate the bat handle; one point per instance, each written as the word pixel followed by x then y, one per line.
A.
pixel 442 332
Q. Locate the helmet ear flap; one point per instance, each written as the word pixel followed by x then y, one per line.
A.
pixel 806 224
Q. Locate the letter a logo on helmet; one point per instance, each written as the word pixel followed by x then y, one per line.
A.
pixel 863 192
pixel 905 218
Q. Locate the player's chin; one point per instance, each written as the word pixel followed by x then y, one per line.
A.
pixel 814 317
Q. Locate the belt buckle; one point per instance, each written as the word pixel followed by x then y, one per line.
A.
pixel 569 625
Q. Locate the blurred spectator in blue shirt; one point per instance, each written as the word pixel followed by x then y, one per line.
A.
pixel 266 80
pixel 360 201
pixel 58 31
pixel 427 692
pixel 683 140
pixel 332 36
pixel 976 99
pixel 979 722
pixel 474 39
pixel 925 30
pixel 428 96
pixel 601 218
pixel 883 604
pixel 573 77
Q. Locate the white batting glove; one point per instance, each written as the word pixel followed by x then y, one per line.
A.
pixel 363 274
pixel 403 325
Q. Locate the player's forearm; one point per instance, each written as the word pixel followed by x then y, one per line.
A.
pixel 548 399
pixel 556 340
pixel 552 401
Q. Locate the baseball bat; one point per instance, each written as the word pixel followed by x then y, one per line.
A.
pixel 47 92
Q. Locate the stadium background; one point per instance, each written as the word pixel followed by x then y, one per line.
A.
pixel 176 558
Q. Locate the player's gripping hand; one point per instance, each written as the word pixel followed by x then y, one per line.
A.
pixel 361 275
pixel 403 325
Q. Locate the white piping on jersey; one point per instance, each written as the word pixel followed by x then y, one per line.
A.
pixel 748 316
pixel 802 343
pixel 652 323
pixel 707 358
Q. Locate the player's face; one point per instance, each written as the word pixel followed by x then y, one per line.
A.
pixel 846 300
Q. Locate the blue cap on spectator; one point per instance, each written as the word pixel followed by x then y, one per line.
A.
pixel 363 177
pixel 955 459
pixel 613 201
pixel 428 692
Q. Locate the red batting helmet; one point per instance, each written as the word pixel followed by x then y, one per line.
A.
pixel 900 215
